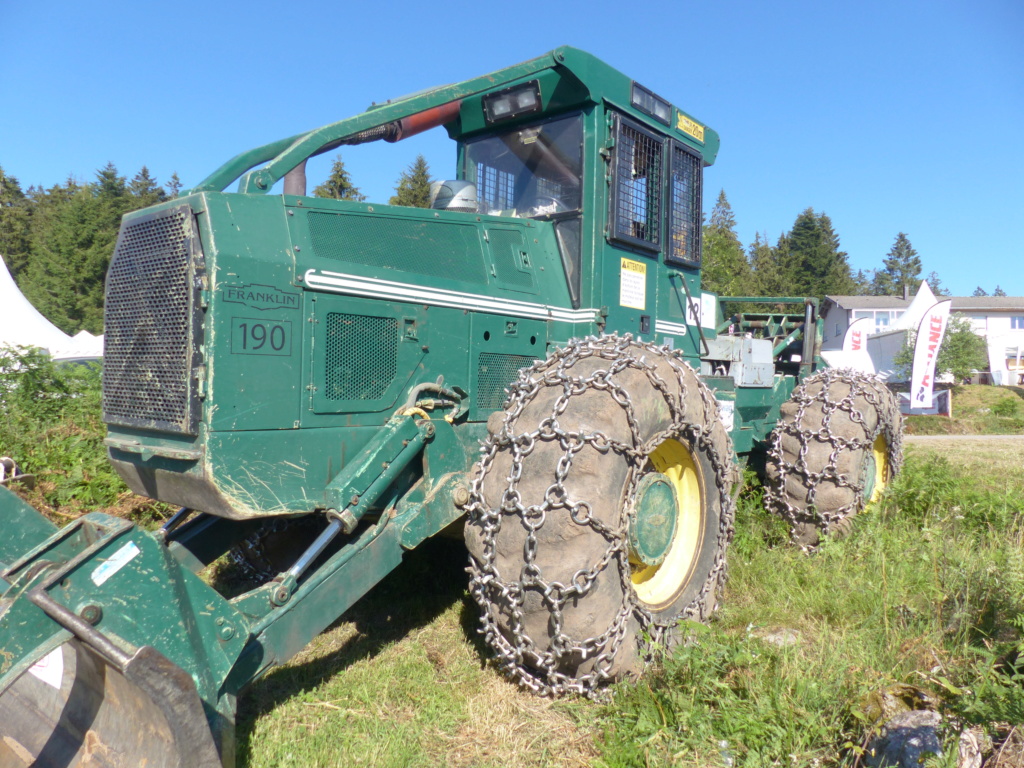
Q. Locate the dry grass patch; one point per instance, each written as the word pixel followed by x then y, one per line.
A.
pixel 509 727
pixel 401 680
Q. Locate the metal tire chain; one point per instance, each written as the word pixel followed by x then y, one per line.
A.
pixel 863 390
pixel 519 656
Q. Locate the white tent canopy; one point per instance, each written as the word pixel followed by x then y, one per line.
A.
pixel 911 317
pixel 21 324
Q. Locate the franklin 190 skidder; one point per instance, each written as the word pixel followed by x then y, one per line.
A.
pixel 534 354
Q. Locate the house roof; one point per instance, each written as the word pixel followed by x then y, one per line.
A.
pixel 960 303
pixel 979 303
pixel 867 302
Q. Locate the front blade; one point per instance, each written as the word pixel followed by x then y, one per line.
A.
pixel 74 709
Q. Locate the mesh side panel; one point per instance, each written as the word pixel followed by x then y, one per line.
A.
pixel 362 356
pixel 638 161
pixel 147 345
pixel 494 373
pixel 506 245
pixel 684 213
pixel 436 249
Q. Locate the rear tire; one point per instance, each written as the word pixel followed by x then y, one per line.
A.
pixel 599 514
pixel 838 443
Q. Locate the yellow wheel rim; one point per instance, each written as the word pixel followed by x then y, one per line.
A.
pixel 880 450
pixel 657 586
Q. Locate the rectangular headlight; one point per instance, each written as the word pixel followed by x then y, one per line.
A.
pixel 512 102
pixel 652 105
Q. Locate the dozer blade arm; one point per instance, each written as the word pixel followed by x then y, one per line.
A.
pixel 113 654
pixel 23 526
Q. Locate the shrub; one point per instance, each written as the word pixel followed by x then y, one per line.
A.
pixel 51 425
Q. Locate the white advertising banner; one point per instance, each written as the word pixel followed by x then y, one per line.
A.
pixel 856 338
pixel 854 353
pixel 929 339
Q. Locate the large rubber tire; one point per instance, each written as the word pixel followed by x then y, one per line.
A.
pixel 566 603
pixel 838 443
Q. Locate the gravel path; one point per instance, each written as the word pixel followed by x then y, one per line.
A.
pixel 973 438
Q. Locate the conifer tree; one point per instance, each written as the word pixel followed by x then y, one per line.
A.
pixel 998 292
pixel 146 189
pixel 765 278
pixel 725 269
pixel 14 224
pixel 936 284
pixel 74 230
pixel 339 185
pixel 173 186
pixel 901 270
pixel 413 188
pixel 862 280
pixel 979 291
pixel 820 267
pixel 109 184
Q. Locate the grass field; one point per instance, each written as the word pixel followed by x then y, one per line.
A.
pixel 977 410
pixel 922 605
pixel 924 598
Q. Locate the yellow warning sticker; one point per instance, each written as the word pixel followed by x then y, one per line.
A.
pixel 633 284
pixel 691 127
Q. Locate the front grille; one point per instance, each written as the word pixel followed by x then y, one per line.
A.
pixel 362 356
pixel 494 374
pixel 149 340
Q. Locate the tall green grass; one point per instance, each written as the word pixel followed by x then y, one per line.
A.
pixel 51 425
pixel 926 596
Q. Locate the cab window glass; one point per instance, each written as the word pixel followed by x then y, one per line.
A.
pixel 529 171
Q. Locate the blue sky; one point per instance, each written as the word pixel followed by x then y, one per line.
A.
pixel 888 116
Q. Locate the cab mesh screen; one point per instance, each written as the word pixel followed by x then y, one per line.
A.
pixel 637 186
pixel 684 208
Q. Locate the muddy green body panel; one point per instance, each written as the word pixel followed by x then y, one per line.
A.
pixel 317 317
pixel 278 355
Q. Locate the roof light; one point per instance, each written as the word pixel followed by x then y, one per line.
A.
pixel 512 102
pixel 652 105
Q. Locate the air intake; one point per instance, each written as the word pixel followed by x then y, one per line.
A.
pixel 494 374
pixel 362 356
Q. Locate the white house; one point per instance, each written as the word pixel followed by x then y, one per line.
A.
pixel 999 319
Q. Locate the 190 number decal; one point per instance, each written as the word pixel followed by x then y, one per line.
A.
pixel 260 337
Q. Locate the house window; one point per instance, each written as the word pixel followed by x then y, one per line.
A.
pixel 1017 322
pixel 837 329
pixel 863 313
